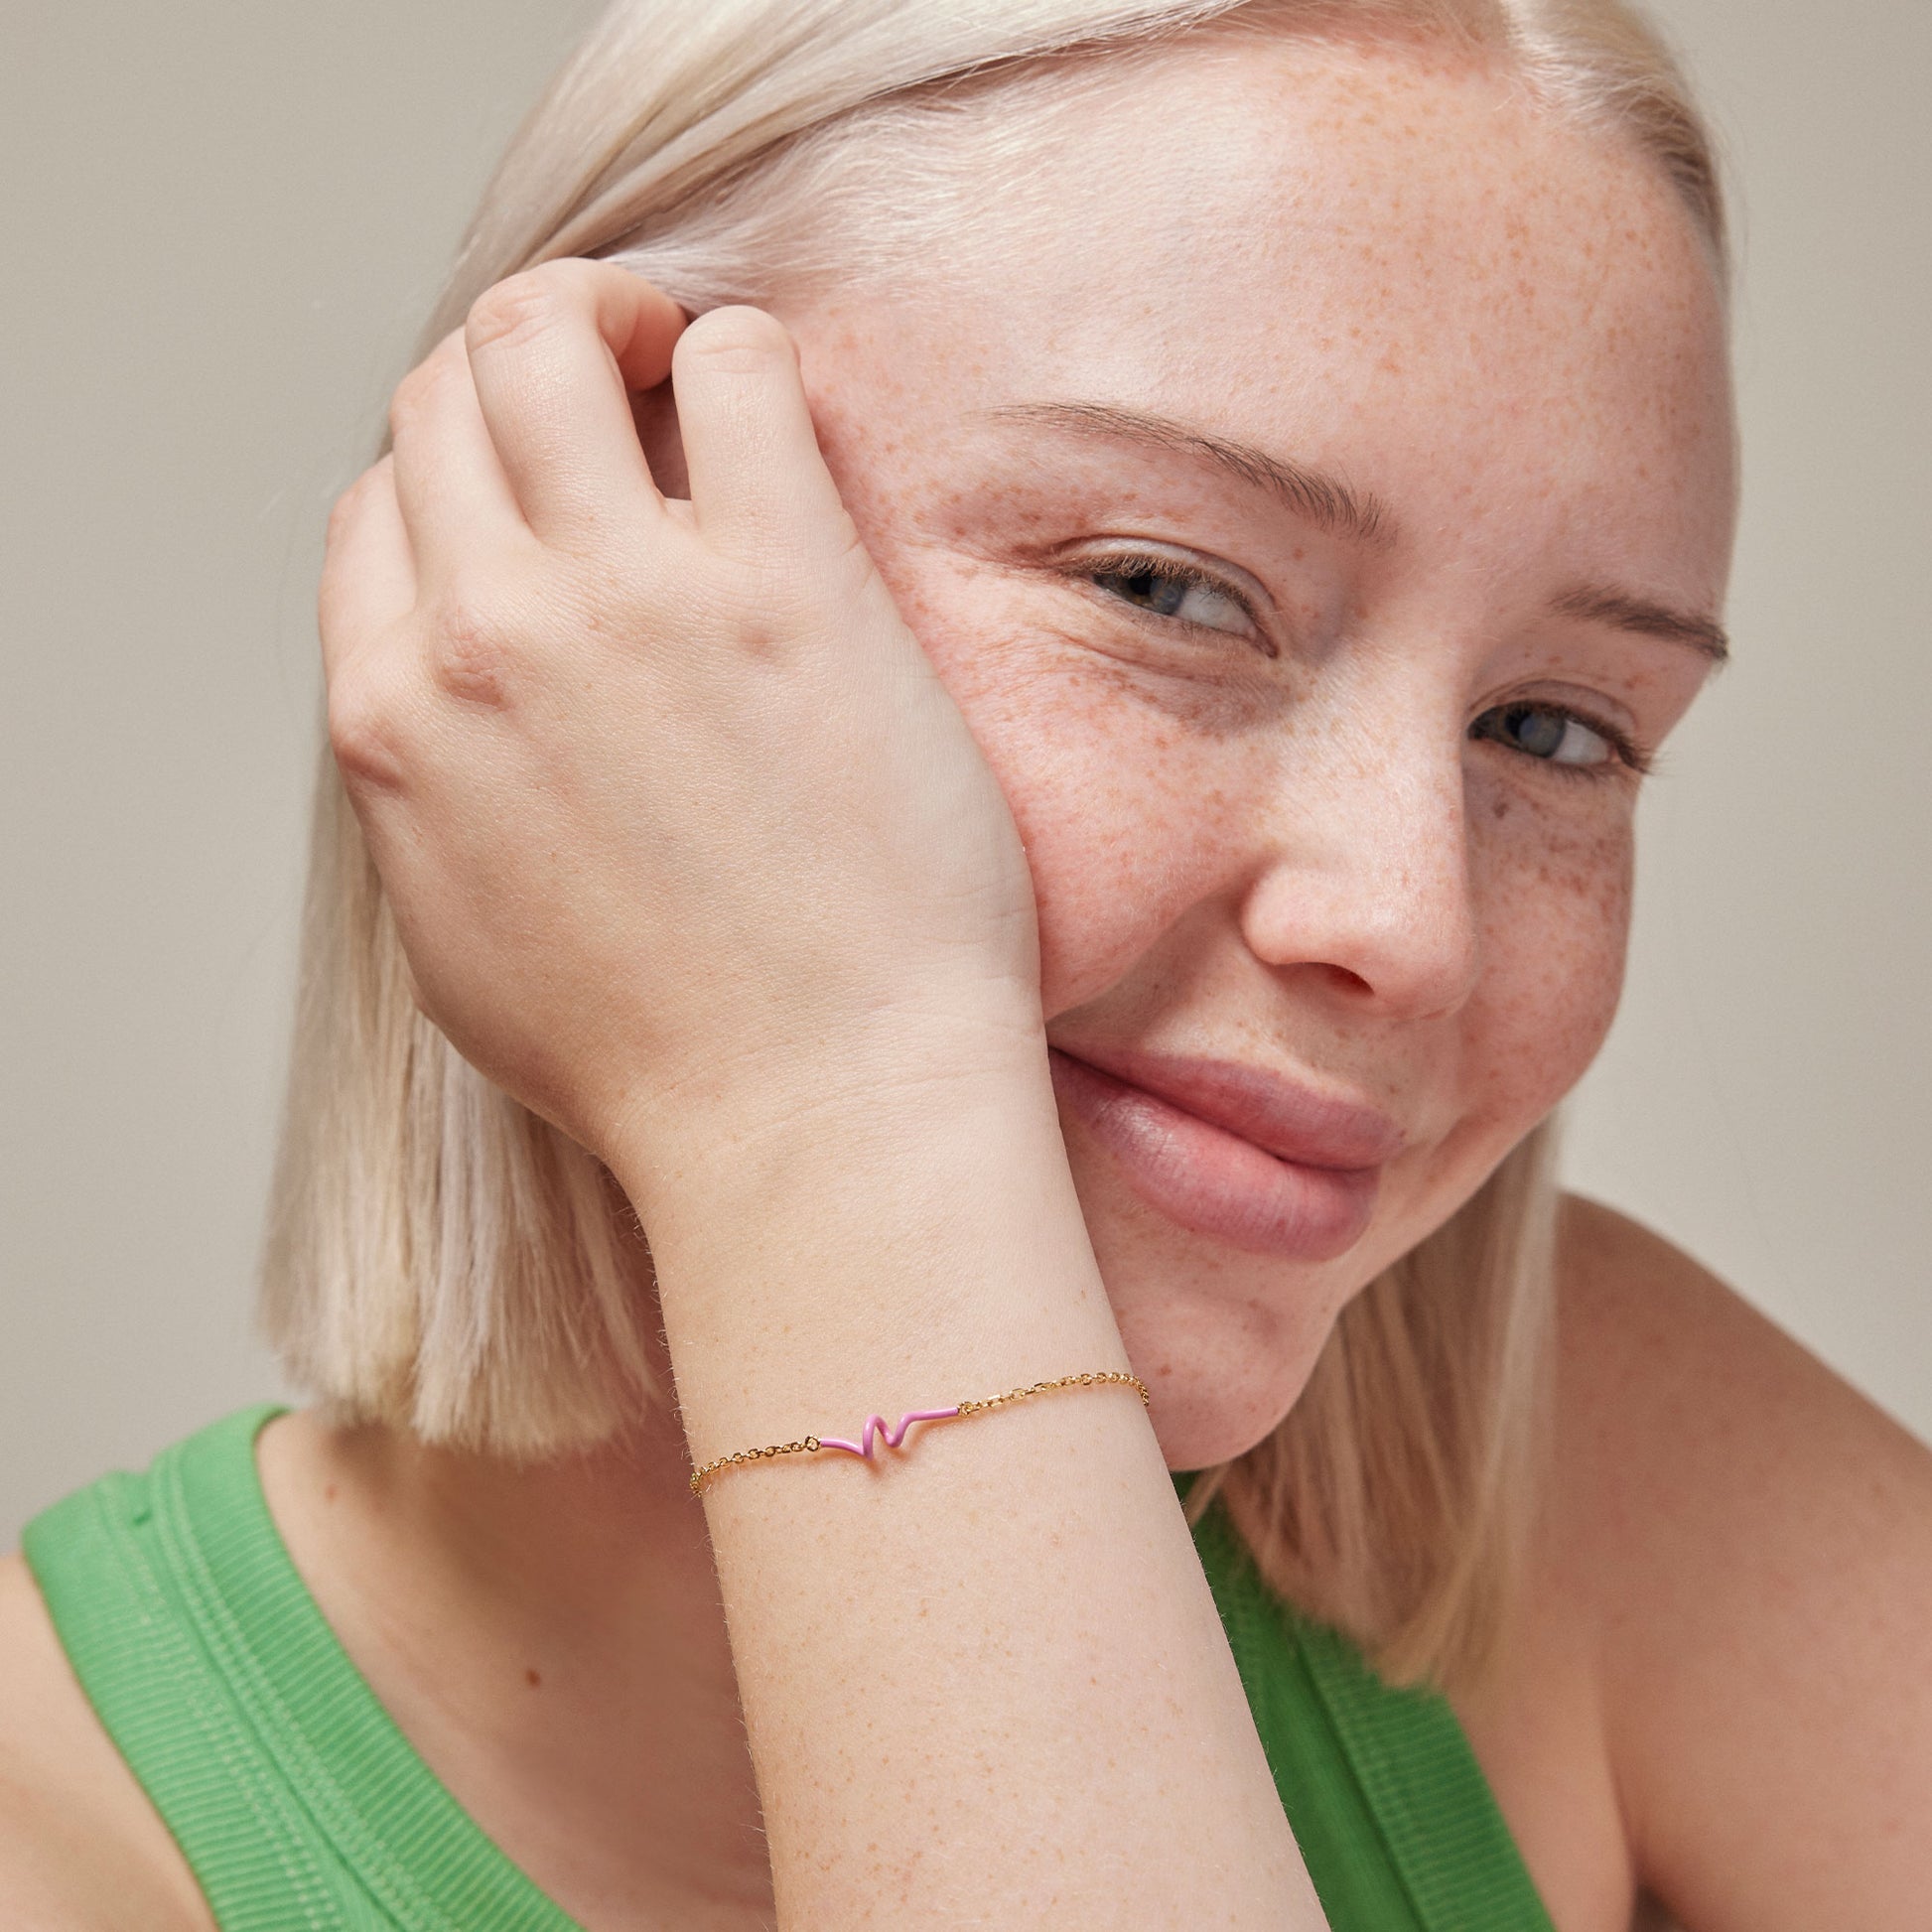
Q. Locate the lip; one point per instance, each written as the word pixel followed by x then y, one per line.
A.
pixel 1260 1162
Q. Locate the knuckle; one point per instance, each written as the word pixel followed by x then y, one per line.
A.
pixel 472 653
pixel 514 311
pixel 764 613
pixel 363 733
pixel 739 341
pixel 415 393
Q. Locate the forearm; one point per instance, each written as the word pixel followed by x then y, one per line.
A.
pixel 659 791
pixel 984 1680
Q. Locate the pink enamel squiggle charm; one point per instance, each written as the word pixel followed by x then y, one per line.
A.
pixel 876 1427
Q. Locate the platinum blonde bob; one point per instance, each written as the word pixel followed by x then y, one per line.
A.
pixel 440 1259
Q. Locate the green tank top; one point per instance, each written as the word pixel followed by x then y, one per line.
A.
pixel 302 1808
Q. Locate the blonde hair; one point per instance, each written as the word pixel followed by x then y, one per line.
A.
pixel 440 1259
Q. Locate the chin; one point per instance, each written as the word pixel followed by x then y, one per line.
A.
pixel 1224 1339
pixel 1226 1359
pixel 1196 1432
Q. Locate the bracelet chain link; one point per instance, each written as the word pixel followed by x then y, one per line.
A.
pixel 972 1405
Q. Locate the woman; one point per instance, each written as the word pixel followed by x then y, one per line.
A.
pixel 1049 805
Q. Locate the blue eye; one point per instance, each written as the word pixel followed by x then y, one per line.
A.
pixel 1554 735
pixel 1169 588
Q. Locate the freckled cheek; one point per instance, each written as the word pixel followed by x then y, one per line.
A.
pixel 1112 805
pixel 1104 872
pixel 1555 917
pixel 1116 802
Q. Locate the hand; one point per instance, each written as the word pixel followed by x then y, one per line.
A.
pixel 676 820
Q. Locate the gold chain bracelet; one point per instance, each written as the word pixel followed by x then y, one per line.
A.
pixel 876 1426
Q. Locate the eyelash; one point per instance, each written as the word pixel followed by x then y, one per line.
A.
pixel 1175 570
pixel 1625 750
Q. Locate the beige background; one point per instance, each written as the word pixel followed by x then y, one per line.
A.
pixel 223 224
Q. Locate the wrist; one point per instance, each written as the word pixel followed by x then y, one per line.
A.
pixel 907 1240
pixel 762 1119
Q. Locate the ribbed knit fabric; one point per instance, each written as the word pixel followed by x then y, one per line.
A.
pixel 1396 1822
pixel 297 1801
pixel 301 1807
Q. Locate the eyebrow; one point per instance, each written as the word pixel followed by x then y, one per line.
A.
pixel 1329 503
pixel 1627 613
pixel 1322 499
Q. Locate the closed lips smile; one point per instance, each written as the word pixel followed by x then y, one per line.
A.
pixel 1233 1152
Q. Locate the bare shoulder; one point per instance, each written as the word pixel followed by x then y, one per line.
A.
pixel 1755 1541
pixel 82 1849
pixel 1676 1390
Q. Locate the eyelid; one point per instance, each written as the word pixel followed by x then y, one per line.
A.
pixel 1216 573
pixel 1626 750
pixel 1250 590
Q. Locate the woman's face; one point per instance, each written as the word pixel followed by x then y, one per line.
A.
pixel 1317 491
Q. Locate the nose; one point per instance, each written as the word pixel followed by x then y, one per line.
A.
pixel 1364 885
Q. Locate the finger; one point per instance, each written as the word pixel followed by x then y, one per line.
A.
pixel 369 572
pixel 369 586
pixel 748 443
pixel 454 496
pixel 555 354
